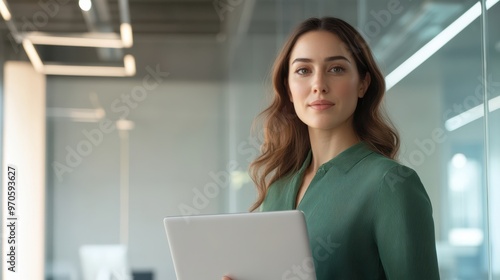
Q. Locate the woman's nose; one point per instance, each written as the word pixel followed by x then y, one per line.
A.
pixel 319 84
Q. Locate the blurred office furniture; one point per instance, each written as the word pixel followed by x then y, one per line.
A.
pixel 104 262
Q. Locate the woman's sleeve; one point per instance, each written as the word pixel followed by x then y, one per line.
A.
pixel 404 227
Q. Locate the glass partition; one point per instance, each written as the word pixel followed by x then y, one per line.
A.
pixel 436 102
pixel 432 108
pixel 491 82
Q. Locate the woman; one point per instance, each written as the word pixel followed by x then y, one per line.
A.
pixel 329 151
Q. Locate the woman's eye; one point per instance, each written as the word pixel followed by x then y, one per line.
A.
pixel 302 71
pixel 337 69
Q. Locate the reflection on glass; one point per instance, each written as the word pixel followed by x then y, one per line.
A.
pixel 466 235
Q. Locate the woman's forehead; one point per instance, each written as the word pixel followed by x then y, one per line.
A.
pixel 317 45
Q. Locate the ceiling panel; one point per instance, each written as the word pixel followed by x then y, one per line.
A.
pixel 164 30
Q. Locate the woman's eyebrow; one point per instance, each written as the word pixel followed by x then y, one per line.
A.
pixel 330 58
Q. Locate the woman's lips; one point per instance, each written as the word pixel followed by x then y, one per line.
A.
pixel 321 105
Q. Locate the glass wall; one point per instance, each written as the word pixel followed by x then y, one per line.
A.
pixel 491 85
pixel 431 106
pixel 436 100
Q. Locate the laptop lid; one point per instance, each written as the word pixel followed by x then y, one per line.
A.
pixel 244 246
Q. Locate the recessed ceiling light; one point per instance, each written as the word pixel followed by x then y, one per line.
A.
pixel 85 5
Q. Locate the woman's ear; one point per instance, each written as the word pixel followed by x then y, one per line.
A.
pixel 364 84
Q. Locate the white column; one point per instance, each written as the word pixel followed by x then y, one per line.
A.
pixel 23 148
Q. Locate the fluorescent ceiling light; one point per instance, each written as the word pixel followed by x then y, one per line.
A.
pixel 96 40
pixel 77 114
pixel 92 39
pixel 76 70
pixel 33 55
pixel 104 71
pixel 5 11
pixel 471 115
pixel 79 70
pixel 464 118
pixel 129 62
pixel 490 3
pixel 433 46
pixel 85 5
pixel 465 237
pixel 126 34
pixel 123 124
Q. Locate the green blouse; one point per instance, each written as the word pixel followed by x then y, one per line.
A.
pixel 368 217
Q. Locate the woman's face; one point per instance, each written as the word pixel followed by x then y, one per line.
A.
pixel 323 81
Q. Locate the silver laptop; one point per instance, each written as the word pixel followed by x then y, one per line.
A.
pixel 244 246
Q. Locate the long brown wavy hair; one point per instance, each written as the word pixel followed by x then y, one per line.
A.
pixel 286 138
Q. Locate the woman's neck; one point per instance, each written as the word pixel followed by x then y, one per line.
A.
pixel 326 144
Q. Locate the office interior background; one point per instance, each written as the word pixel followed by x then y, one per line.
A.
pixel 102 160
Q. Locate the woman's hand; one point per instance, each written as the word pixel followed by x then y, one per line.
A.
pixel 226 278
